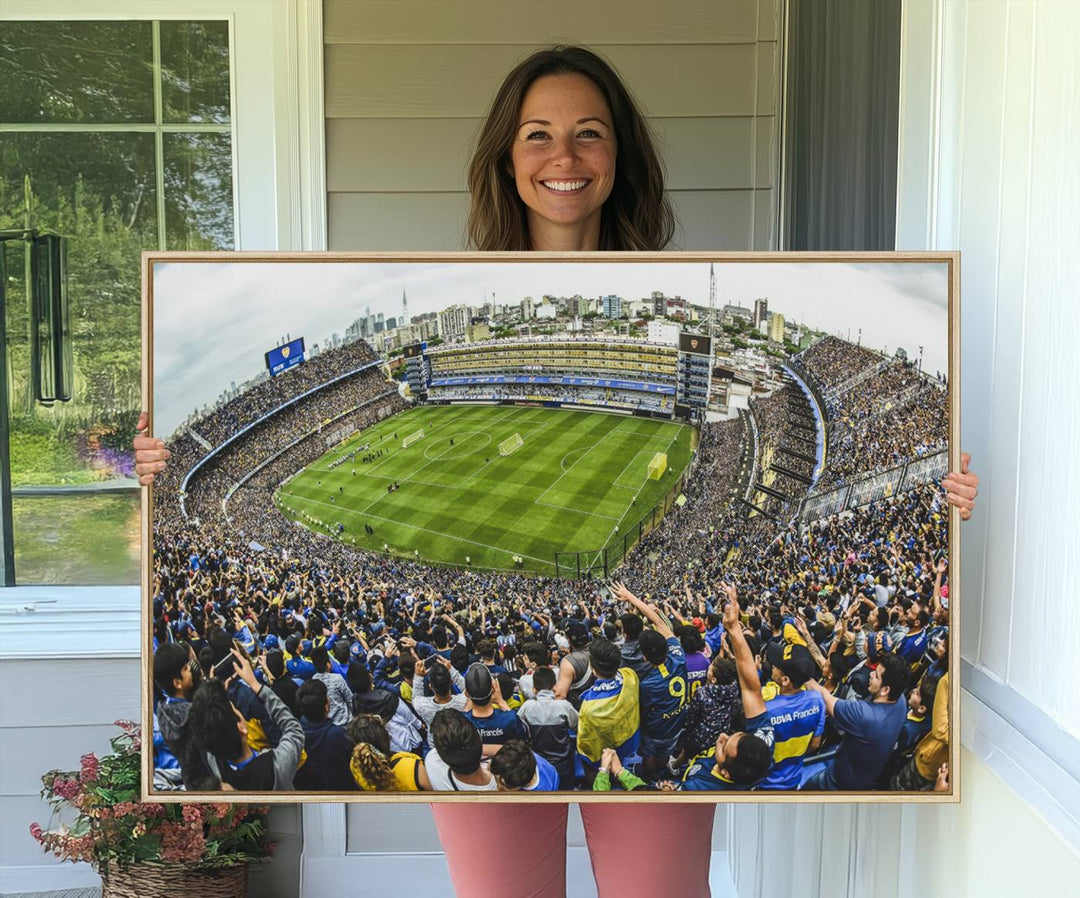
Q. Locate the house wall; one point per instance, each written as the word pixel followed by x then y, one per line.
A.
pixel 989 137
pixel 76 654
pixel 408 84
pixel 993 843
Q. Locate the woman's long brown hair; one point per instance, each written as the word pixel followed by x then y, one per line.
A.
pixel 637 215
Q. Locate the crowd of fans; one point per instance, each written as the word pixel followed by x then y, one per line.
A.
pixel 252 404
pixel 880 412
pixel 628 399
pixel 361 397
pixel 833 362
pixel 762 653
pixel 776 416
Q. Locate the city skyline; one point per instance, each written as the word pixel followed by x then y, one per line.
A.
pixel 233 312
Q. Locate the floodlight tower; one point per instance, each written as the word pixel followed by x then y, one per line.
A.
pixel 712 298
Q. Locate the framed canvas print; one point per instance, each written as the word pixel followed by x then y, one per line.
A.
pixel 465 526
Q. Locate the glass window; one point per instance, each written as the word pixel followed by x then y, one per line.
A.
pixel 117 136
pixel 198 192
pixel 76 72
pixel 195 72
pixel 81 540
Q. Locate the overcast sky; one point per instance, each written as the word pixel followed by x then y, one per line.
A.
pixel 213 322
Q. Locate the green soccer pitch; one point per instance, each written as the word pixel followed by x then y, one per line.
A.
pixel 579 481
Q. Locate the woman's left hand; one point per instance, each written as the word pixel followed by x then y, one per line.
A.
pixel 962 488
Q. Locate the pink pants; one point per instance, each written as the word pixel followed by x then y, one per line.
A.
pixel 520 849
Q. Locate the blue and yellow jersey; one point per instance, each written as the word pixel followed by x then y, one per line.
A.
pixel 796 720
pixel 664 696
pixel 703 774
pixel 609 717
pixel 915 727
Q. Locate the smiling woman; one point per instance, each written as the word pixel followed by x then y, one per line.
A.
pixel 563 160
pixel 563 117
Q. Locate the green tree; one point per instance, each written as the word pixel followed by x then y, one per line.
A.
pixel 99 190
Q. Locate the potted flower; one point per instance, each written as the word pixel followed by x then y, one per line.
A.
pixel 148 848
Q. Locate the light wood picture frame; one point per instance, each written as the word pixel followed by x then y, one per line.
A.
pixel 872 414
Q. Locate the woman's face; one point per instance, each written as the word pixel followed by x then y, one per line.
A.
pixel 563 161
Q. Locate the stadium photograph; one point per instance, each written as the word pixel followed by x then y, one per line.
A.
pixel 441 525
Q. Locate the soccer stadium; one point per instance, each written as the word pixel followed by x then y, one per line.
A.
pixel 359 536
pixel 484 486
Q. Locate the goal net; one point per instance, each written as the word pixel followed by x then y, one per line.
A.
pixel 511 444
pixel 657 465
pixel 412 438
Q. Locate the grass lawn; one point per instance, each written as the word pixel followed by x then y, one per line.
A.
pixel 77 540
pixel 578 477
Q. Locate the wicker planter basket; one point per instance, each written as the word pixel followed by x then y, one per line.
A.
pixel 174 881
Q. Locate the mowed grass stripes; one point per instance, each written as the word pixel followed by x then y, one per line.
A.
pixel 579 481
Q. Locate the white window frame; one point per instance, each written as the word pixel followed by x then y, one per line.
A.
pixel 279 197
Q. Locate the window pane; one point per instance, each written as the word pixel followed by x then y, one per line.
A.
pixel 77 540
pixel 198 192
pixel 98 191
pixel 76 72
pixel 195 71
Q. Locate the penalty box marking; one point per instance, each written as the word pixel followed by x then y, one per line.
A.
pixel 628 507
pixel 534 429
pixel 411 478
pixel 614 483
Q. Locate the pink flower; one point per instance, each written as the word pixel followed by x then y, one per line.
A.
pixel 36 831
pixel 65 788
pixel 181 842
pixel 89 767
pixel 192 813
pixel 80 848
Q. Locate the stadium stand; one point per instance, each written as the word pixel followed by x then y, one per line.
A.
pixel 854 582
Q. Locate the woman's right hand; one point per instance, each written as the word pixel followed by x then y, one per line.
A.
pixel 150 453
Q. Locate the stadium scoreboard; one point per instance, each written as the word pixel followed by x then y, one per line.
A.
pixel 282 358
pixel 417 367
pixel 695 344
pixel 694 372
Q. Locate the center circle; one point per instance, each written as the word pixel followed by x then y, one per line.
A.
pixel 445 452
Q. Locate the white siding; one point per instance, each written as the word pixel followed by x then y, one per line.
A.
pixel 989 138
pixel 898 851
pixel 1001 184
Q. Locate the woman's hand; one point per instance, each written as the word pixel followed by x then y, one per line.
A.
pixel 150 453
pixel 962 488
pixel 941 784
